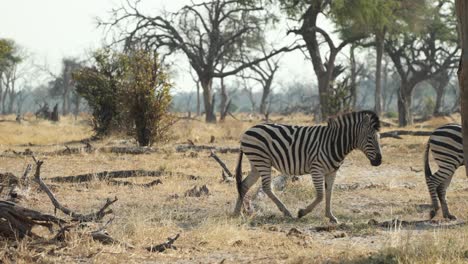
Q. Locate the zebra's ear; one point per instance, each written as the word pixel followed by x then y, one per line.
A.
pixel 331 122
pixel 367 119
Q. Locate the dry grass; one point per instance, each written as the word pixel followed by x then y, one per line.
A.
pixel 43 132
pixel 209 234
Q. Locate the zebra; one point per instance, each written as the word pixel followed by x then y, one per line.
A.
pixel 298 150
pixel 446 146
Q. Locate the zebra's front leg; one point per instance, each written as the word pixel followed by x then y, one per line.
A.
pixel 266 186
pixel 317 179
pixel 329 181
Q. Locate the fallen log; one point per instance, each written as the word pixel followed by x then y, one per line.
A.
pixel 75 216
pixel 127 183
pixel 422 224
pixel 88 148
pixel 17 221
pixel 185 148
pixel 106 175
pixel 398 133
pixel 129 150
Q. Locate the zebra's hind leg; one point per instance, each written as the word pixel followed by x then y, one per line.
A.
pixel 441 192
pixel 317 179
pixel 250 180
pixel 266 186
pixel 329 180
pixel 435 203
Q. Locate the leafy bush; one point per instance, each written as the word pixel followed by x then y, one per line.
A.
pixel 146 98
pixel 391 114
pixel 99 85
pixel 428 108
pixel 127 91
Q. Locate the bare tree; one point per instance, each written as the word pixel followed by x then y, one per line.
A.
pixel 248 88
pixel 323 63
pixel 264 73
pixel 197 82
pixel 439 82
pixel 10 78
pixel 420 56
pixel 64 87
pixel 206 33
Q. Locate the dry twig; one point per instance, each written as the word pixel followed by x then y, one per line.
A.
pixel 223 165
pixel 169 244
pixel 75 216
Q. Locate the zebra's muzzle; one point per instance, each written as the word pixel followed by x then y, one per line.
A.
pixel 377 161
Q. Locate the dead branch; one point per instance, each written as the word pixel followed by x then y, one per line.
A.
pixel 169 244
pixel 385 123
pixel 223 165
pixel 129 150
pixel 75 216
pixel 127 183
pixel 106 175
pixel 185 148
pixel 87 148
pixel 233 116
pixel 398 133
pixel 197 191
pixel 26 172
pixel 104 237
pixel 17 221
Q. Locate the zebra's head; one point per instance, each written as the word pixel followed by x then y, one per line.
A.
pixel 369 137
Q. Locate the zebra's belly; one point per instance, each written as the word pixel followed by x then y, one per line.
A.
pixel 291 171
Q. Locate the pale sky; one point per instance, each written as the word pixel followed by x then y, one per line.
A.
pixel 50 30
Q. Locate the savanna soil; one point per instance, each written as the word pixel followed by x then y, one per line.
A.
pixel 208 232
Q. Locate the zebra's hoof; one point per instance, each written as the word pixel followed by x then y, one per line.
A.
pixel 433 213
pixel 301 213
pixel 451 217
pixel 333 220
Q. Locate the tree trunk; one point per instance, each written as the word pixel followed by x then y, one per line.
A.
pixel 353 70
pixel 4 110
pixel 439 83
pixel 1 92
pixel 68 103
pixel 439 102
pixel 11 101
pixel 210 116
pixel 389 96
pixel 379 40
pixel 405 98
pixel 323 84
pixel 312 43
pixel 266 93
pixel 198 98
pixel 64 103
pixel 223 103
pixel 77 104
pixel 462 14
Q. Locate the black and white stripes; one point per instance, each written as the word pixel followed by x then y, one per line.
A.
pixel 298 150
pixel 446 147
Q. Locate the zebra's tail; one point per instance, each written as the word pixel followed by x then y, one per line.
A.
pixel 427 168
pixel 239 174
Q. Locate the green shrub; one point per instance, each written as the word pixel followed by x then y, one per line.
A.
pixel 127 91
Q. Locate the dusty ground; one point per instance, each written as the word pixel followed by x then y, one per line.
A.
pixel 208 233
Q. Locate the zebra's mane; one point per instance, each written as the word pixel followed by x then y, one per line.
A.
pixel 375 121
